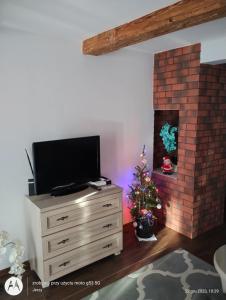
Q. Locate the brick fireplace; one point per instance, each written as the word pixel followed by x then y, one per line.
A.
pixel 193 198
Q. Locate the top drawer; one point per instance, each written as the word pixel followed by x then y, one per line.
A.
pixel 60 219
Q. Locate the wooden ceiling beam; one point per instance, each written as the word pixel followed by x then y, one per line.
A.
pixel 181 15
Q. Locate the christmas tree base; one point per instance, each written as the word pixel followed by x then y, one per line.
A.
pixel 144 227
pixel 150 239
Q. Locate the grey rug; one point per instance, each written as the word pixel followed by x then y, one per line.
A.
pixel 176 276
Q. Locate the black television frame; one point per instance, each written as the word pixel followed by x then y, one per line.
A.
pixel 67 187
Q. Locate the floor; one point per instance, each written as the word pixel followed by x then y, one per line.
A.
pixel 135 255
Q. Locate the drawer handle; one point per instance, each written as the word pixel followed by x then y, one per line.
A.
pixel 63 241
pixel 107 226
pixel 64 264
pixel 107 246
pixel 62 218
pixel 107 205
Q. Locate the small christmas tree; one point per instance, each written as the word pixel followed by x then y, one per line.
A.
pixel 143 194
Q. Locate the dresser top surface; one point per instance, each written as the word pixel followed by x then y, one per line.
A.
pixel 47 202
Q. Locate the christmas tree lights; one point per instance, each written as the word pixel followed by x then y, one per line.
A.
pixel 143 194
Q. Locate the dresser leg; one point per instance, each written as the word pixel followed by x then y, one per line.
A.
pixel 45 284
pixel 117 253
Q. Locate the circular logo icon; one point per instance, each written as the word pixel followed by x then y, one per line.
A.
pixel 13 286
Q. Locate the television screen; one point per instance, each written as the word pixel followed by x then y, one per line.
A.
pixel 63 162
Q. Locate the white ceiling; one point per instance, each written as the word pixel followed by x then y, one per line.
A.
pixel 79 19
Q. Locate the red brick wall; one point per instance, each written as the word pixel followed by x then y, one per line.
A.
pixel 178 85
pixel 210 169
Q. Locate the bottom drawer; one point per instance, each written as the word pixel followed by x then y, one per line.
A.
pixel 80 257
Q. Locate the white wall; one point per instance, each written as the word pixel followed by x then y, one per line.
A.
pixel 49 90
pixel 214 51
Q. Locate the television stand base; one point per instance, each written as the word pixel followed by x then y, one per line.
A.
pixel 69 190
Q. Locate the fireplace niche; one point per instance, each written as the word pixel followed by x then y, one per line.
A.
pixel 162 117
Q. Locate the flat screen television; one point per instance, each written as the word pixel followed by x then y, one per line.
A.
pixel 65 162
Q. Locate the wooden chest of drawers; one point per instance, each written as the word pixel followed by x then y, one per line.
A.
pixel 69 232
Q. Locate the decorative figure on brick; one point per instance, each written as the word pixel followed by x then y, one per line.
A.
pixel 168 135
pixel 167 166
